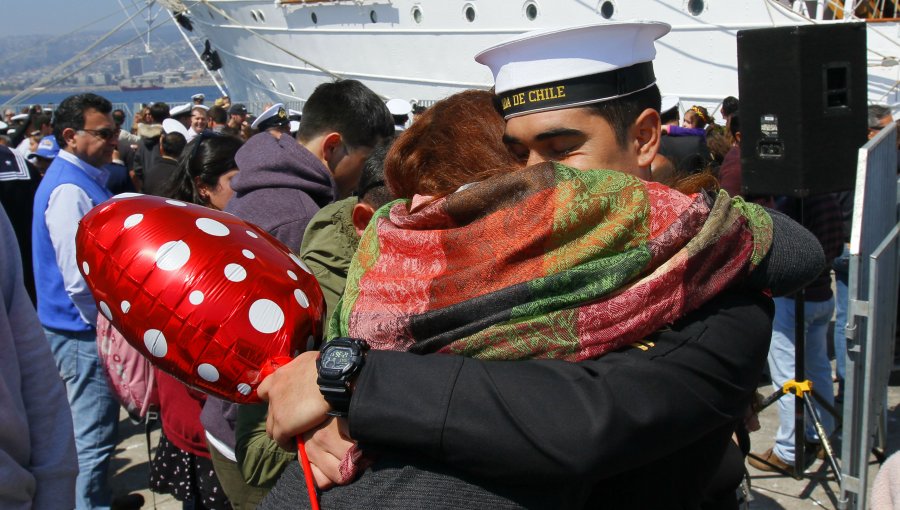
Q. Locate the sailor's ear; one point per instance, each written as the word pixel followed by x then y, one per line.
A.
pixel 646 132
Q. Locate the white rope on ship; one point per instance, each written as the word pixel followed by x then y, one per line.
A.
pixel 50 79
pixel 267 41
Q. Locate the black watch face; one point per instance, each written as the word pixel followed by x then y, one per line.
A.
pixel 337 358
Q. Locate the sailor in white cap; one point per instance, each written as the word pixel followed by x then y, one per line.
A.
pixel 182 113
pixel 173 126
pixel 275 120
pixel 198 98
pixel 400 110
pixel 584 96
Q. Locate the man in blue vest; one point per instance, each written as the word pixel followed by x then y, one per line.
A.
pixel 75 183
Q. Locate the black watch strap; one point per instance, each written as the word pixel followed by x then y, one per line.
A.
pixel 335 377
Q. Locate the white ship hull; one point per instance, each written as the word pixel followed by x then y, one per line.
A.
pixel 423 50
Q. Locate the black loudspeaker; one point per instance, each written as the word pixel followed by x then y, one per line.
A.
pixel 802 107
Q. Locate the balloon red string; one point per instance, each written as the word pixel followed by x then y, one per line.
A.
pixel 267 369
pixel 307 474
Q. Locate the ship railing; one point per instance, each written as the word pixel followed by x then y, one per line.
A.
pixel 49 107
pixel 861 10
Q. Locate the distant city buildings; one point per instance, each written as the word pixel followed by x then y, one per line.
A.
pixel 131 66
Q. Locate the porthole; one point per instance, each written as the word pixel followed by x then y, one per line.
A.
pixel 469 11
pixel 531 11
pixel 607 9
pixel 262 17
pixel 291 86
pixel 273 84
pixel 253 15
pixel 696 7
pixel 315 19
pixel 373 16
pixel 417 14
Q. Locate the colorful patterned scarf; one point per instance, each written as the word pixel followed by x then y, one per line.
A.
pixel 546 262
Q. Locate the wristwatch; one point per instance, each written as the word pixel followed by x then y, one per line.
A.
pixel 338 363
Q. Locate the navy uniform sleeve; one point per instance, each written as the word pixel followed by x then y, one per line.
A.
pixel 553 420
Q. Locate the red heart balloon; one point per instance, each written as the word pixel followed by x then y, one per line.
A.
pixel 206 296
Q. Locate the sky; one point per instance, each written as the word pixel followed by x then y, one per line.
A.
pixel 62 16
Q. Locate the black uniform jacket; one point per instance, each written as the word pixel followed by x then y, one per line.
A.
pixel 643 427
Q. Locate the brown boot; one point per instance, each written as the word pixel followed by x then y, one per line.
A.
pixel 770 460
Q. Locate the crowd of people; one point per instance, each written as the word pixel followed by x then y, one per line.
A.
pixel 536 300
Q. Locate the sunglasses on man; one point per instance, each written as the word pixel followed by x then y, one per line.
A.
pixel 105 134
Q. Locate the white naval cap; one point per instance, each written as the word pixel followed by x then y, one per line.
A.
pixel 668 103
pixel 21 116
pixel 200 107
pixel 198 96
pixel 552 69
pixel 174 126
pixel 180 110
pixel 274 116
pixel 399 106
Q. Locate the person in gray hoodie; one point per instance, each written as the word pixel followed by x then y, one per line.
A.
pixel 37 447
pixel 281 185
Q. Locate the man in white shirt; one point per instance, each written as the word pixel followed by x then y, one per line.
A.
pixel 75 183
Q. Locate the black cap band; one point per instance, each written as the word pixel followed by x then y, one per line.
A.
pixel 577 91
pixel 279 119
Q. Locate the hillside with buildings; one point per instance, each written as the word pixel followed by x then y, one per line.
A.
pixel 166 61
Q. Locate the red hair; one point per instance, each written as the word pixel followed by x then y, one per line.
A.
pixel 457 141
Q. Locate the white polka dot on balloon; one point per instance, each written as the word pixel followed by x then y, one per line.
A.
pixel 301 298
pixel 244 388
pixel 125 306
pixel 86 268
pixel 212 227
pixel 172 255
pixel 252 234
pixel 176 202
pixel 266 316
pixel 196 297
pixel 249 254
pixel 104 308
pixel 133 220
pixel 155 342
pixel 300 263
pixel 127 195
pixel 293 275
pixel 208 372
pixel 235 272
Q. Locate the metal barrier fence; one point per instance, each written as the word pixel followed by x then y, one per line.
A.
pixel 871 316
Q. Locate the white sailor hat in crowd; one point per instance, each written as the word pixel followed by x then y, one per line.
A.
pixel 3 125
pixel 180 110
pixel 669 103
pixel 198 96
pixel 174 126
pixel 200 107
pixel 274 116
pixel 553 69
pixel 21 116
pixel 399 106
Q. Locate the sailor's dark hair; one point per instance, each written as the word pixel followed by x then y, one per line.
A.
pixel 622 112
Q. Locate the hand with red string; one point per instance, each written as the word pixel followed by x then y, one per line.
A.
pixel 297 408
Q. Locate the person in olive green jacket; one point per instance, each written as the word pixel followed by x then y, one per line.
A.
pixel 328 246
